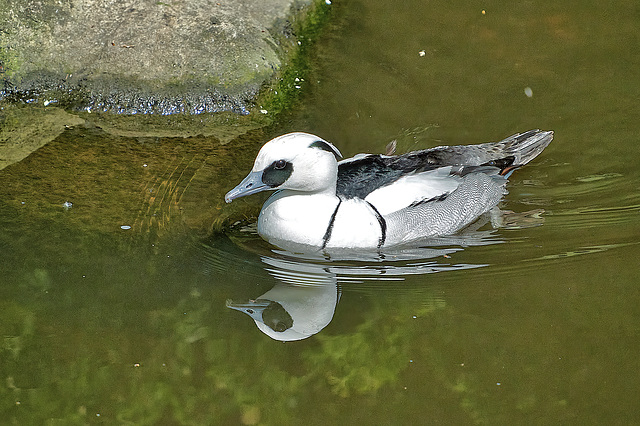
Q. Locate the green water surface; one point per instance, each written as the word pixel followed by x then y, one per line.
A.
pixel 113 306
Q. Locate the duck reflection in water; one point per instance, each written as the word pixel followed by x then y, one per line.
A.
pixel 308 288
pixel 290 312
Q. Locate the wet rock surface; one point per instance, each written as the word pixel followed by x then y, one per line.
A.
pixel 142 56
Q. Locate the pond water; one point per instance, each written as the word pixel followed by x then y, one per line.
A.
pixel 120 299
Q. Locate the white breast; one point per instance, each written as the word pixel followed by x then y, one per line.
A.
pixel 306 220
pixel 355 226
pixel 289 217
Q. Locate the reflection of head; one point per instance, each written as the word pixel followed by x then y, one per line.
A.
pixel 291 312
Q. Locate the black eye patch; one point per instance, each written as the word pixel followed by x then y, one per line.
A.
pixel 276 317
pixel 277 173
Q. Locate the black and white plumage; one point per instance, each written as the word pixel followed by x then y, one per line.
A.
pixel 374 201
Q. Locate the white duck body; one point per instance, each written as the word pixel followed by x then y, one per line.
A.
pixel 291 217
pixel 375 201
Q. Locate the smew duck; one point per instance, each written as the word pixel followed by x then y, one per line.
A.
pixel 373 201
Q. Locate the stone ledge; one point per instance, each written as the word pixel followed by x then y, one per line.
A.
pixel 143 56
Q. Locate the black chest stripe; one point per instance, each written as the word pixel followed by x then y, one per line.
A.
pixel 327 234
pixel 383 225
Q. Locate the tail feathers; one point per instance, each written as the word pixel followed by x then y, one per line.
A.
pixel 517 150
pixel 524 147
pixel 507 155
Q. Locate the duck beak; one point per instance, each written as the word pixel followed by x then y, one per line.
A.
pixel 253 308
pixel 249 185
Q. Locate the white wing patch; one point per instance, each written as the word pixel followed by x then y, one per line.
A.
pixel 413 188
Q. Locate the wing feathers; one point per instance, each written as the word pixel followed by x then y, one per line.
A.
pixel 394 182
pixel 414 188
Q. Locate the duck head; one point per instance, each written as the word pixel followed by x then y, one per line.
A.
pixel 295 161
pixel 291 312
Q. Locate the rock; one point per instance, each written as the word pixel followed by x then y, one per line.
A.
pixel 143 56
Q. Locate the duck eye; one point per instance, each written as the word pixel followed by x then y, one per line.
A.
pixel 277 173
